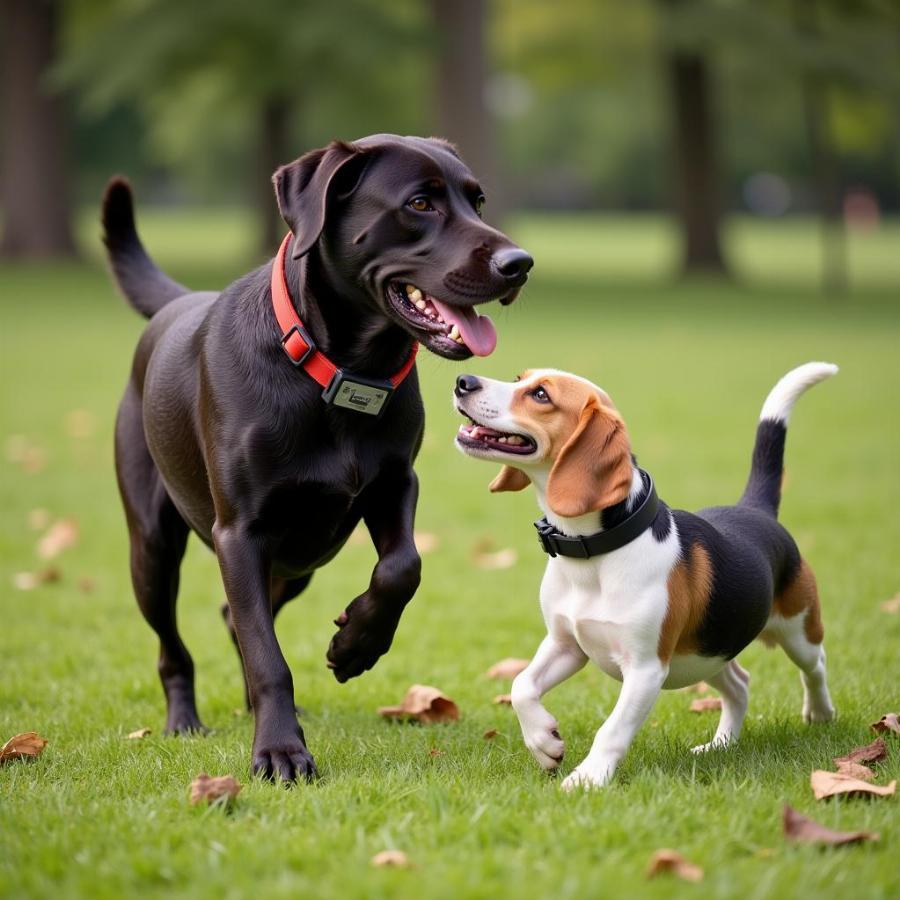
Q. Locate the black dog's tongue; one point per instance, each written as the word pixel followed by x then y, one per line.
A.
pixel 477 331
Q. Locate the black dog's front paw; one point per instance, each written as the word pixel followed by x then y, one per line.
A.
pixel 288 759
pixel 365 635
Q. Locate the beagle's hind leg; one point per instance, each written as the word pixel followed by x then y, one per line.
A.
pixel 796 626
pixel 733 683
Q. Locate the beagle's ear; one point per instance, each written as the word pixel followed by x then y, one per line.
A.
pixel 301 189
pixel 593 469
pixel 509 479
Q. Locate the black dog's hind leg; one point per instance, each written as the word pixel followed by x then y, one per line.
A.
pixel 368 624
pixel 158 536
pixel 279 747
pixel 283 590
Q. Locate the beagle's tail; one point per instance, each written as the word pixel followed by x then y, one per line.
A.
pixel 763 489
pixel 145 286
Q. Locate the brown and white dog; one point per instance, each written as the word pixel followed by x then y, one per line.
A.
pixel 656 597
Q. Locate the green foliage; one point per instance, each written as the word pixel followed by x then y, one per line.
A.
pixel 689 365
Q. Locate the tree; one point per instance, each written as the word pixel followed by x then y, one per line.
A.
pixel 35 184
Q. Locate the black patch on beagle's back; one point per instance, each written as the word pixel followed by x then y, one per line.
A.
pixel 752 557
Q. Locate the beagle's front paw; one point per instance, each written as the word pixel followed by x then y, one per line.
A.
pixel 586 779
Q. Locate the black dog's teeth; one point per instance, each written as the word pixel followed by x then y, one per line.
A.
pixel 415 298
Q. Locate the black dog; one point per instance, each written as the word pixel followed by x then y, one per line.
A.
pixel 225 431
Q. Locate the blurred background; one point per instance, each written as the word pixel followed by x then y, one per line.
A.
pixel 697 118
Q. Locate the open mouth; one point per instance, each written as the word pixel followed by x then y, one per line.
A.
pixel 452 331
pixel 478 437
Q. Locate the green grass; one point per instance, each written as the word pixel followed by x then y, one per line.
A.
pixel 689 365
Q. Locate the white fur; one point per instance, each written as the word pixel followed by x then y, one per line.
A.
pixel 785 394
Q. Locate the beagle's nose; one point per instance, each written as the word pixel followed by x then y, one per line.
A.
pixel 466 384
pixel 513 263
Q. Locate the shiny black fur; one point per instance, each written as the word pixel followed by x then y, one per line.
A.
pixel 219 434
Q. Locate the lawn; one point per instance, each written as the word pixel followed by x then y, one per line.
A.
pixel 689 365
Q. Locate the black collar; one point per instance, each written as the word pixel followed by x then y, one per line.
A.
pixel 556 543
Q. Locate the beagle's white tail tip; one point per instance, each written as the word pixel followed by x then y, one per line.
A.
pixel 785 394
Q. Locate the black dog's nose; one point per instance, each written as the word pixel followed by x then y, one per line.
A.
pixel 466 384
pixel 513 263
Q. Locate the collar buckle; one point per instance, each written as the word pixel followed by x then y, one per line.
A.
pixel 362 395
pixel 303 335
pixel 545 536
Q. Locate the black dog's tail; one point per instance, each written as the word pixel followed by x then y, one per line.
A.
pixel 145 286
pixel 763 489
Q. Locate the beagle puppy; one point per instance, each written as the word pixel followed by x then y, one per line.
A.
pixel 656 597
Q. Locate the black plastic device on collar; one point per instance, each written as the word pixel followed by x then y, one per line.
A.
pixel 556 543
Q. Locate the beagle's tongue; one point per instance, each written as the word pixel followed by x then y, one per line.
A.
pixel 477 331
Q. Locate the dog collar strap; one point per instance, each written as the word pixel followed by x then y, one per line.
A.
pixel 556 543
pixel 367 395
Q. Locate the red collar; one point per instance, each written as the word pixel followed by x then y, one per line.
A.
pixel 341 388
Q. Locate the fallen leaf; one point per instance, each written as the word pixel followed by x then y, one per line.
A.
pixel 507 668
pixel 485 556
pixel 62 534
pixel 705 704
pixel 424 704
pixel 701 687
pixel 831 784
pixel 490 734
pixel 670 861
pixel 503 699
pixel 874 752
pixel 434 753
pixel 38 519
pixel 28 744
pixel 26 581
pixel 395 858
pixel 139 735
pixel 798 828
pixel 80 424
pixel 426 542
pixel 211 789
pixel 888 722
pixel 86 584
pixel 892 605
pixel 855 770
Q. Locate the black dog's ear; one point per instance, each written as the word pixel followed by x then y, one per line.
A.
pixel 301 188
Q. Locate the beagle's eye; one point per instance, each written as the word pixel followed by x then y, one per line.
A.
pixel 420 204
pixel 479 204
pixel 540 394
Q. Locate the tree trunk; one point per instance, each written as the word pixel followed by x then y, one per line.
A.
pixel 695 158
pixel 35 189
pixel 823 163
pixel 460 75
pixel 272 152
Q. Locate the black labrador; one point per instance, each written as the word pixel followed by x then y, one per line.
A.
pixel 222 432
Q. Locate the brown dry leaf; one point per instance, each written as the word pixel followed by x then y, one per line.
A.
pixel 507 668
pixel 395 858
pixel 426 542
pixel 669 861
pixel 86 584
pixel 486 556
pixel 209 789
pixel 892 605
pixel 490 734
pixel 705 704
pixel 701 687
pixel 888 722
pixel 139 735
pixel 855 770
pixel 831 784
pixel 874 752
pixel 798 828
pixel 27 581
pixel 28 744
pixel 62 534
pixel 503 700
pixel 424 704
pixel 434 752
pixel 80 424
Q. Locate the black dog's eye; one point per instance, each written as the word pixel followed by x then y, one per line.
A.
pixel 540 394
pixel 420 204
pixel 479 204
